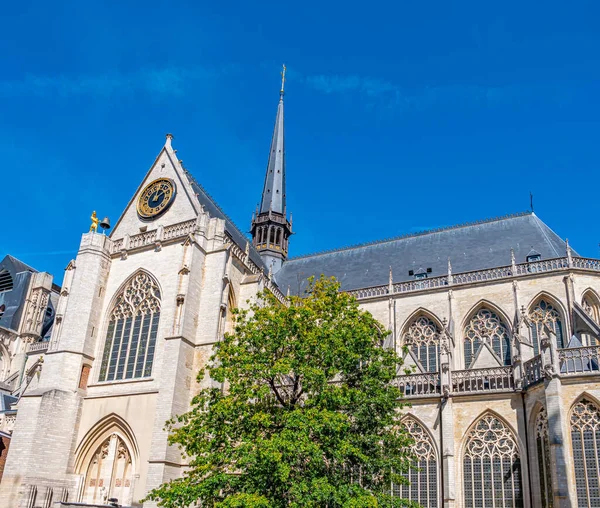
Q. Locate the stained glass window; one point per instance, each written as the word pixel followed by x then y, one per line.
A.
pixel 423 338
pixel 132 329
pixel 542 314
pixel 486 325
pixel 543 456
pixel 423 477
pixel 585 437
pixel 492 466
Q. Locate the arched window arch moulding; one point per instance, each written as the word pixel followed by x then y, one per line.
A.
pixel 424 477
pixel 132 329
pixel 542 454
pixel 486 322
pixel 546 310
pixel 491 464
pixel 590 302
pixel 421 335
pixel 107 461
pixel 584 425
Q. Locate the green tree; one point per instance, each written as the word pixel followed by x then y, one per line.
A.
pixel 308 417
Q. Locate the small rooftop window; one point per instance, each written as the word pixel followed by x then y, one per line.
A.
pixel 6 282
pixel 533 255
pixel 2 309
pixel 420 273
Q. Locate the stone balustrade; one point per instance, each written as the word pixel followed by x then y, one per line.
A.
pixel 533 370
pixel 494 379
pixel 172 232
pixel 579 360
pixel 419 385
pixel 502 272
pixel 38 347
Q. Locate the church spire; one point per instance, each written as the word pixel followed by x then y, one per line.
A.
pixel 273 196
pixel 270 227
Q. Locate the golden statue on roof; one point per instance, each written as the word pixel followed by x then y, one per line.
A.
pixel 95 221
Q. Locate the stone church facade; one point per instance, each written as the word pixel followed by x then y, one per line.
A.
pixel 498 322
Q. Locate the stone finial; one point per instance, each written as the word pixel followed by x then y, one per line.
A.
pixel 513 261
pixel 569 254
pixel 391 282
pixel 168 140
pixel 288 291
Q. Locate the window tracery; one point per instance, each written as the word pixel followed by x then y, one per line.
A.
pixel 585 437
pixel 423 338
pixel 543 456
pixel 423 478
pixel 492 466
pixel 109 473
pixel 486 325
pixel 544 313
pixel 132 329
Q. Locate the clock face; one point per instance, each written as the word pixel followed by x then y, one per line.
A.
pixel 156 198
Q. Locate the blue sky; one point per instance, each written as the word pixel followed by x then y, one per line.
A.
pixel 400 116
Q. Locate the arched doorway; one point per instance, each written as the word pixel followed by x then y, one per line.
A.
pixel 109 473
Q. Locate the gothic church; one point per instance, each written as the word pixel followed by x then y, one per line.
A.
pixel 500 319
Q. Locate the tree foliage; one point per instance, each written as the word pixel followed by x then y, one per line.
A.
pixel 307 414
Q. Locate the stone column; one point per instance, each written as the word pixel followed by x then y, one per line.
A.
pixel 447 420
pixel 563 490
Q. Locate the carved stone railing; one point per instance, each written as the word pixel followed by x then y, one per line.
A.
pixel 499 273
pixel 245 258
pixel 545 265
pixel 415 285
pixel 369 292
pixel 482 275
pixel 38 347
pixel 495 379
pixel 117 245
pixel 179 230
pixel 532 370
pixel 579 360
pixel 419 385
pixel 587 264
pixel 146 238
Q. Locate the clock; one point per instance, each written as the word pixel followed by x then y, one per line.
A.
pixel 156 198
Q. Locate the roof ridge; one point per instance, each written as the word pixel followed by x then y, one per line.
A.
pixel 413 235
pixel 191 177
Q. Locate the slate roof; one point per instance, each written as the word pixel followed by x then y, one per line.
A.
pixel 6 401
pixel 214 210
pixel 273 196
pixel 473 246
pixel 18 265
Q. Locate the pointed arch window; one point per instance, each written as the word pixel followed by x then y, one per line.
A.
pixel 109 473
pixel 592 309
pixel 492 466
pixel 423 338
pixel 544 314
pixel 423 477
pixel 585 437
pixel 543 456
pixel 132 329
pixel 486 325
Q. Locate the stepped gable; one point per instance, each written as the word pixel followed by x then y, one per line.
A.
pixel 471 246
